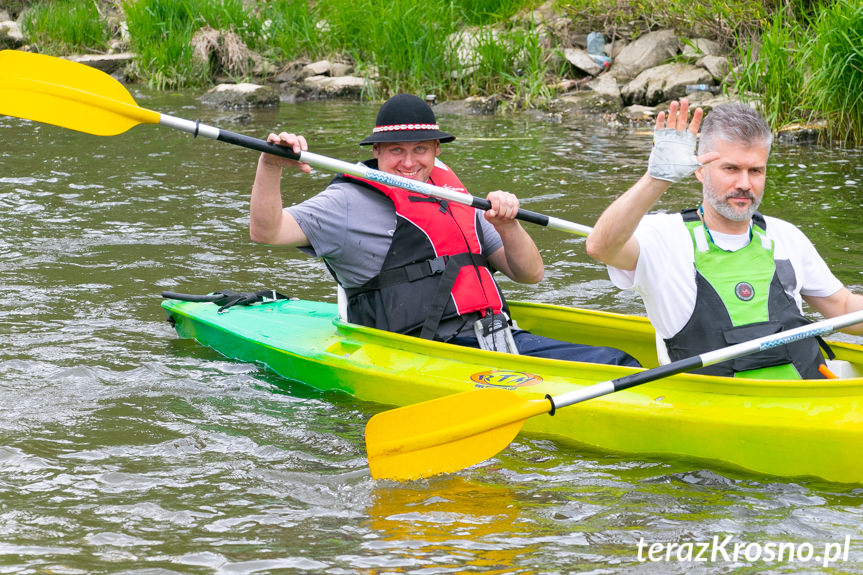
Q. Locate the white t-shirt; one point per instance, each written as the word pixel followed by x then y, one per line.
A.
pixel 664 276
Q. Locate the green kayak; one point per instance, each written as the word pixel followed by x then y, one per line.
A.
pixel 778 427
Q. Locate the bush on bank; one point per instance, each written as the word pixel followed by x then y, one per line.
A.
pixel 809 66
pixel 801 60
pixel 834 58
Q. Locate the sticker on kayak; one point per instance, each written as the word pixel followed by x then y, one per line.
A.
pixel 506 379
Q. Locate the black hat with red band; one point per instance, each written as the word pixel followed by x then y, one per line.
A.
pixel 406 118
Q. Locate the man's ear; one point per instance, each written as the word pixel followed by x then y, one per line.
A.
pixel 699 173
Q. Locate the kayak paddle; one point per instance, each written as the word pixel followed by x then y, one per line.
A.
pixel 456 431
pixel 78 97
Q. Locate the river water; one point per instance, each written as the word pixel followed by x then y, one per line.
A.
pixel 126 450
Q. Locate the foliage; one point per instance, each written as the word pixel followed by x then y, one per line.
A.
pixel 514 56
pixel 482 12
pixel 772 73
pixel 428 47
pixel 722 20
pixel 290 30
pixel 65 26
pixel 407 46
pixel 404 41
pixel 835 59
pixel 162 32
pixel 808 66
pixel 799 59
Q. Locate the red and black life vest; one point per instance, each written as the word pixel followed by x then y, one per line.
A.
pixel 434 271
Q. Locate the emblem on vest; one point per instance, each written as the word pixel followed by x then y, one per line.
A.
pixel 744 291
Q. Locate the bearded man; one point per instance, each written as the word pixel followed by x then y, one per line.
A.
pixel 720 273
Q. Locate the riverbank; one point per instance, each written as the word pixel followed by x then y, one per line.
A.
pixel 517 57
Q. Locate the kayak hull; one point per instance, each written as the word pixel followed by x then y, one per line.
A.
pixel 777 427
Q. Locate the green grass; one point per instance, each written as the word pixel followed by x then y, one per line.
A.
pixel 404 41
pixel 289 30
pixel 482 12
pixel 798 59
pixel 835 59
pixel 162 31
pixel 412 46
pixel 723 20
pixel 772 74
pixel 512 62
pixel 408 44
pixel 66 26
pixel 807 65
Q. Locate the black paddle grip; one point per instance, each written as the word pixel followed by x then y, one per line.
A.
pixel 523 215
pixel 667 370
pixel 257 144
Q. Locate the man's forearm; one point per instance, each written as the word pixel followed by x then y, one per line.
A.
pixel 522 256
pixel 265 205
pixel 609 242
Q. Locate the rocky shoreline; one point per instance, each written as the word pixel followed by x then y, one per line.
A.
pixel 624 83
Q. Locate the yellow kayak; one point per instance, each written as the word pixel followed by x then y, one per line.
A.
pixel 777 427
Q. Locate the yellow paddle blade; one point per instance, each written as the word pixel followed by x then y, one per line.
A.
pixel 67 94
pixel 447 434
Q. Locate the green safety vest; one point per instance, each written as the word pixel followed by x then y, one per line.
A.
pixel 740 297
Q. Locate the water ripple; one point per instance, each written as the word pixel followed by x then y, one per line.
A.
pixel 126 450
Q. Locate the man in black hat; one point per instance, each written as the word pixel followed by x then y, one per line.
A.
pixel 406 262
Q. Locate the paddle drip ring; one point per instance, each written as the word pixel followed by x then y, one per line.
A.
pixel 551 401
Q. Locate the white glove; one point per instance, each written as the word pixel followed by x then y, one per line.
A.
pixel 673 155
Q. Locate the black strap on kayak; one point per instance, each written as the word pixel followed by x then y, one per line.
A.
pixel 227 298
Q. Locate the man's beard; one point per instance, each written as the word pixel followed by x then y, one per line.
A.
pixel 725 209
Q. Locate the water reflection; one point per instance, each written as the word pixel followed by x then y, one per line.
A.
pixel 447 522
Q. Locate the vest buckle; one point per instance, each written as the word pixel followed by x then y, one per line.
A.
pixel 437 265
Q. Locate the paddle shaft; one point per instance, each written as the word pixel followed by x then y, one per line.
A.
pixel 707 358
pixel 361 171
pixel 75 96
